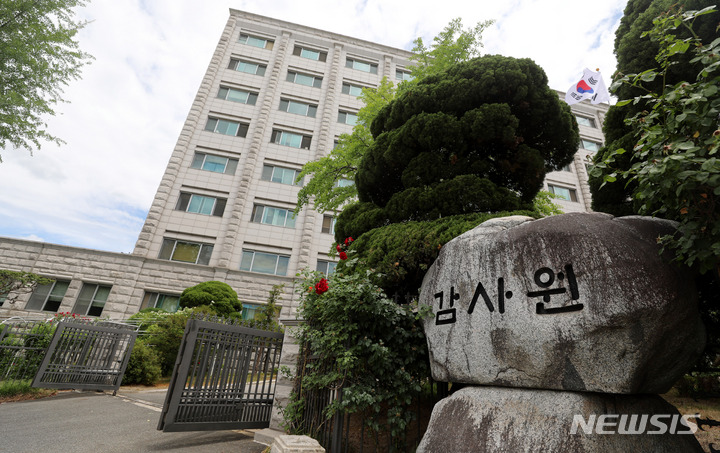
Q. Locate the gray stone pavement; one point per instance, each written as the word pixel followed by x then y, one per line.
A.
pixel 98 422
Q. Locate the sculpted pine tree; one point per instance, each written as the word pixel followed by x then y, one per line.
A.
pixel 478 137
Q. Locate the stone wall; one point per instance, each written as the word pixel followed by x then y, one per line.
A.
pixel 129 276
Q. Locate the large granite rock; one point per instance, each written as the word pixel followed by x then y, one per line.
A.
pixel 496 419
pixel 580 302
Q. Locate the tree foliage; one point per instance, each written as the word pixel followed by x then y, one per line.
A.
pixel 675 167
pixel 454 44
pixel 14 283
pixel 397 256
pixel 39 55
pixel 635 53
pixel 218 296
pixel 366 344
pixel 451 46
pixel 478 137
pixel 325 187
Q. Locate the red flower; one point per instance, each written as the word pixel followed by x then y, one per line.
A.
pixel 348 240
pixel 321 286
pixel 339 248
pixel 343 255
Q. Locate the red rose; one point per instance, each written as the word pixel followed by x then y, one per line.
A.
pixel 321 286
pixel 348 240
pixel 338 248
pixel 343 255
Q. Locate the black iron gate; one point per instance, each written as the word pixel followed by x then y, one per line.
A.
pixel 224 378
pixel 86 356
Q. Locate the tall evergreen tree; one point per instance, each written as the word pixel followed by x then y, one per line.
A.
pixel 478 137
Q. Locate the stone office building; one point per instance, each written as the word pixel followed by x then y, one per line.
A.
pixel 275 96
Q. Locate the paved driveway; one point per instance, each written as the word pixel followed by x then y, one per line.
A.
pixel 97 422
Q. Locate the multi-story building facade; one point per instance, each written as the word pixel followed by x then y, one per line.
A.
pixel 275 96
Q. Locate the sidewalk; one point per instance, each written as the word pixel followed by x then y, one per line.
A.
pixel 97 422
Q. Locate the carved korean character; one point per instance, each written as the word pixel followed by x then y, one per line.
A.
pixel 448 315
pixel 545 278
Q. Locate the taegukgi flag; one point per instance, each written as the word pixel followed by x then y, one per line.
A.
pixel 591 86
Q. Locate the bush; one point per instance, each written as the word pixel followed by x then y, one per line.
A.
pixel 219 296
pixel 165 338
pixel 398 255
pixel 365 343
pixel 144 365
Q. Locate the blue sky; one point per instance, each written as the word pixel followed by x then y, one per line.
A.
pixel 125 114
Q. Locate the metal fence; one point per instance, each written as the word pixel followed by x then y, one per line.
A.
pixel 87 355
pixel 22 347
pixel 224 378
pixel 348 433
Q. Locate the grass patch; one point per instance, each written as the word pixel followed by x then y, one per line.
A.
pixel 18 390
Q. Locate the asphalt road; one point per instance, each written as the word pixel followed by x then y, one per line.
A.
pixel 97 422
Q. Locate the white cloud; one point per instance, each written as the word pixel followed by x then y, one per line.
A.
pixel 126 113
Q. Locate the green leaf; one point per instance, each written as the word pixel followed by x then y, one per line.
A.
pixel 648 76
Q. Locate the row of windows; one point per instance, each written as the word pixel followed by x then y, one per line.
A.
pixel 199 253
pixel 319 55
pixel 251 261
pixel 286 105
pixel 228 166
pixel 90 301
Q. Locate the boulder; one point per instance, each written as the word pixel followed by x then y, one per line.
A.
pixel 579 302
pixel 497 419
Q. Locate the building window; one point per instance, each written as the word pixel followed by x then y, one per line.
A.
pixel 273 216
pixel 249 310
pixel 328 225
pixel 298 108
pixel 235 95
pixel 91 300
pixel 352 90
pixel 342 182
pixel 403 75
pixel 48 297
pixel 326 267
pixel 310 54
pixel 563 192
pixel 280 174
pixel 200 204
pixel 364 66
pixel 585 121
pixel 227 127
pixel 590 145
pixel 216 164
pixel 264 263
pixel 167 302
pixel 290 139
pixel 304 79
pixel 247 66
pixel 347 118
pixel 255 41
pixel 186 252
